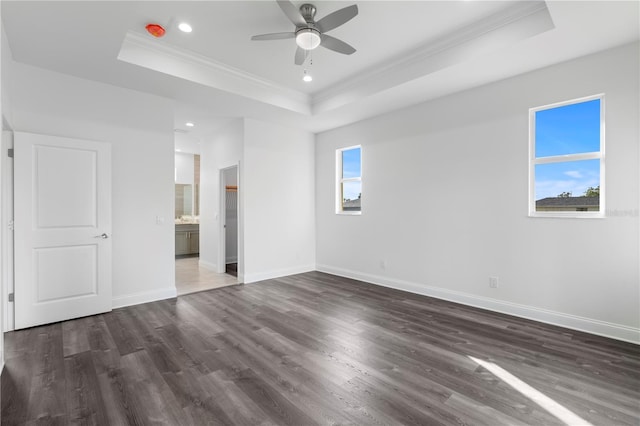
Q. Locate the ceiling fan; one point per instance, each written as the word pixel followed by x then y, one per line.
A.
pixel 310 34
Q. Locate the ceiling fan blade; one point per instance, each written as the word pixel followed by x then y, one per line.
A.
pixel 301 56
pixel 337 18
pixel 292 13
pixel 336 45
pixel 273 36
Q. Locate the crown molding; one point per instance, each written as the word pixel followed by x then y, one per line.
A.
pixel 140 50
pixel 522 20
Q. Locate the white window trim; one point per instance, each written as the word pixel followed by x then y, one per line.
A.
pixel 533 161
pixel 340 180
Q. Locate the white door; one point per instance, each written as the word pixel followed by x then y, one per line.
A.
pixel 62 190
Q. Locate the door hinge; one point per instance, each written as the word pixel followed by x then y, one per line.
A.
pixel 10 225
pixel 10 297
pixel 10 152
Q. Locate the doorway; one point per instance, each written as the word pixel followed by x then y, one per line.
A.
pixel 229 214
pixel 192 275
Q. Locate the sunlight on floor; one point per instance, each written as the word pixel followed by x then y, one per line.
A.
pixel 555 409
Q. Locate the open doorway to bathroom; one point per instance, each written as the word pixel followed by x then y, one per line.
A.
pixel 192 275
pixel 187 216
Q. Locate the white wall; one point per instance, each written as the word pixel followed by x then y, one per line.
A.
pixel 276 198
pixel 5 62
pixel 222 150
pixel 140 130
pixel 279 197
pixel 445 202
pixel 184 168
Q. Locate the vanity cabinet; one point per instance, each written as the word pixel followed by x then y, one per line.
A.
pixel 187 239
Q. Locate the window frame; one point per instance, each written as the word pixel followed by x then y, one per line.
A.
pixel 340 180
pixel 566 158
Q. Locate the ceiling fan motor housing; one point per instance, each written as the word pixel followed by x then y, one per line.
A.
pixel 308 12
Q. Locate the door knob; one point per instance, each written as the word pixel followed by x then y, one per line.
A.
pixel 103 236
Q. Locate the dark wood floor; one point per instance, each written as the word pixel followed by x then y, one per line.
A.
pixel 314 349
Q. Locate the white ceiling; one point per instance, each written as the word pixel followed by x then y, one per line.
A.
pixel 407 52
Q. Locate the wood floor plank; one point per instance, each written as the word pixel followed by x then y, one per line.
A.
pixel 119 398
pixel 190 348
pixel 74 336
pixel 153 397
pixel 20 352
pixel 14 392
pixel 270 400
pixel 48 385
pixel 313 349
pixel 104 350
pixel 84 398
pixel 237 406
pixel 122 331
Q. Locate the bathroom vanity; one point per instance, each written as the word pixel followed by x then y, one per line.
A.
pixel 187 238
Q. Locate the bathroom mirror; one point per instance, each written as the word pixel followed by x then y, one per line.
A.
pixel 187 201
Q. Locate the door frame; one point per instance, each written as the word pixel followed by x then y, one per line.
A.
pixel 6 234
pixel 222 255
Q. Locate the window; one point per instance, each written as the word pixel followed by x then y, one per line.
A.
pixel 349 180
pixel 566 170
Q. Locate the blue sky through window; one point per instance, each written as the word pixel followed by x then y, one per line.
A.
pixel 569 129
pixel 351 163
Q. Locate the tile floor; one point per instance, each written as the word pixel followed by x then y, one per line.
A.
pixel 191 277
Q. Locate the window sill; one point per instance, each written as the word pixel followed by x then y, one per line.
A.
pixel 568 215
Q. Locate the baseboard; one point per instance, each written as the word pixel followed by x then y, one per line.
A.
pixel 267 275
pixel 588 325
pixel 144 297
pixel 232 260
pixel 208 265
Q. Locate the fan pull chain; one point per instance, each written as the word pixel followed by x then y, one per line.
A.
pixel 306 77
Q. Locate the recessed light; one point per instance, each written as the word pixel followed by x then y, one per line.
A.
pixel 189 124
pixel 307 78
pixel 178 150
pixel 184 27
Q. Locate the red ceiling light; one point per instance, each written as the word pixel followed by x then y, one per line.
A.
pixel 155 30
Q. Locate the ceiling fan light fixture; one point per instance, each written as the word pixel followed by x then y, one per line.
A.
pixel 308 38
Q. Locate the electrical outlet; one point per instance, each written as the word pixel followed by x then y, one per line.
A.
pixel 493 282
pixel 383 265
